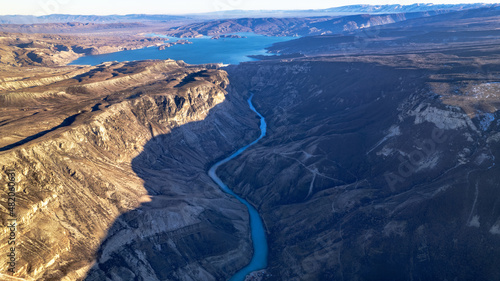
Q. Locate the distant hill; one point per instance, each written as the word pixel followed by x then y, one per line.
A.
pixel 294 26
pixel 60 18
pixel 446 29
pixel 337 11
pixel 396 8
pixel 347 10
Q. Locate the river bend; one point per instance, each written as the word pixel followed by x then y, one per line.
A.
pixel 259 259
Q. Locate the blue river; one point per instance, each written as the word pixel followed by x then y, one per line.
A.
pixel 206 50
pixel 203 50
pixel 258 234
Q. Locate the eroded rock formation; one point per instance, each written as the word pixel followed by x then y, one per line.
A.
pixel 91 178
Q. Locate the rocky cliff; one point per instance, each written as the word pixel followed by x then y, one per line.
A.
pixel 88 189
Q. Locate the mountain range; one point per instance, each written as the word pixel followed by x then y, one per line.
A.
pixel 337 11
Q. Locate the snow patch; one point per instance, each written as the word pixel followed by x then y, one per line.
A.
pixel 441 189
pixel 428 163
pixel 469 137
pixel 485 90
pixel 306 155
pixel 485 120
pixel 494 138
pixel 392 132
pixel 495 229
pixel 463 156
pixel 386 151
pixel 474 222
pixel 481 158
pixel 443 119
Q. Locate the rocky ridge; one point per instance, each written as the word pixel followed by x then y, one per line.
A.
pixel 291 26
pixel 74 181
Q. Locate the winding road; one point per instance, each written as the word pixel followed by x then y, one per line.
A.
pixel 259 259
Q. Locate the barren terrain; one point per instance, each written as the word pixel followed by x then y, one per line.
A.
pixel 379 161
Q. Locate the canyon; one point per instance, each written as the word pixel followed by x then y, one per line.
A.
pixel 378 161
pixel 81 176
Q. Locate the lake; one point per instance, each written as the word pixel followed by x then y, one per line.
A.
pixel 203 50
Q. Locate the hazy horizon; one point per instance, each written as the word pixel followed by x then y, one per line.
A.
pixel 157 7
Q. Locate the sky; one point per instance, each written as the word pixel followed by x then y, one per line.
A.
pixel 108 7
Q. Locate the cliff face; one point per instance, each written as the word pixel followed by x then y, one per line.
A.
pixel 374 168
pixel 88 189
